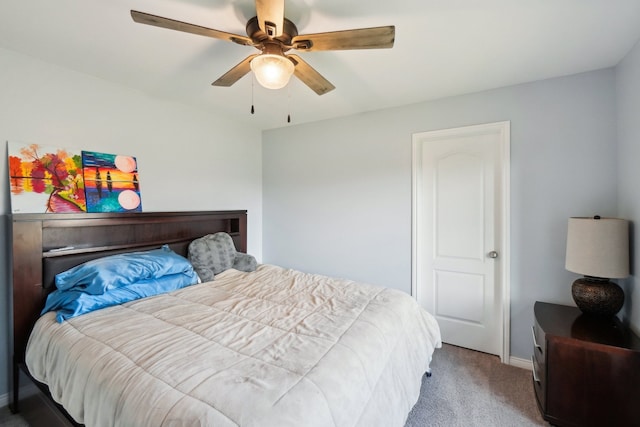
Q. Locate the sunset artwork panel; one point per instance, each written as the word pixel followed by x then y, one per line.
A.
pixel 45 179
pixel 111 182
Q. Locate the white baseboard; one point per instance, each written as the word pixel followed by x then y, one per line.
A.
pixel 25 391
pixel 521 363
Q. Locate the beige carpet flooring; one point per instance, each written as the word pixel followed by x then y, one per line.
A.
pixel 469 389
pixel 9 420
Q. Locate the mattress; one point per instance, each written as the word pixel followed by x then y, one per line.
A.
pixel 275 347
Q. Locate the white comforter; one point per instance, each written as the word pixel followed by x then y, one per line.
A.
pixel 274 347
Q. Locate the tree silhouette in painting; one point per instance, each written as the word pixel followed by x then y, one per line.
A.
pixel 57 174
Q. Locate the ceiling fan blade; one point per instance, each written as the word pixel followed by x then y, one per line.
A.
pixel 310 76
pixel 236 73
pixel 172 24
pixel 270 16
pixel 363 38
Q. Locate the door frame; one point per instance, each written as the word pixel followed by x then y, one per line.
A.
pixel 503 210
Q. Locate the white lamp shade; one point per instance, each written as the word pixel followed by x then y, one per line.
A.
pixel 598 247
pixel 272 71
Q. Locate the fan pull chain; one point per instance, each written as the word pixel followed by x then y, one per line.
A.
pixel 289 103
pixel 253 110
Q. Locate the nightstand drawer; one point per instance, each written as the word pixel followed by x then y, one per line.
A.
pixel 539 365
pixel 538 383
pixel 539 341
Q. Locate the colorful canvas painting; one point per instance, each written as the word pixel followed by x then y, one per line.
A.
pixel 45 179
pixel 111 182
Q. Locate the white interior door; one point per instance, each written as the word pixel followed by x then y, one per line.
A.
pixel 459 233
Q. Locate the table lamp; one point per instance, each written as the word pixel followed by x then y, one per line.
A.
pixel 598 248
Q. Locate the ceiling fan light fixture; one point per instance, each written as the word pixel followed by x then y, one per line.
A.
pixel 273 34
pixel 272 71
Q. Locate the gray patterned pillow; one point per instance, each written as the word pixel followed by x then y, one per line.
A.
pixel 214 253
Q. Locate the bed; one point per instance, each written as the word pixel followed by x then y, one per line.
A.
pixel 269 347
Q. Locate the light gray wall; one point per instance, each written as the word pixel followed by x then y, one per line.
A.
pixel 337 193
pixel 188 159
pixel 628 97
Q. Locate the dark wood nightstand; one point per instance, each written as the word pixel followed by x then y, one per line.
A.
pixel 586 370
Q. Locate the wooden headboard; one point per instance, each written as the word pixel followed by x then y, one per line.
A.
pixel 46 244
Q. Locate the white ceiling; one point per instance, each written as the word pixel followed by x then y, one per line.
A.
pixel 442 48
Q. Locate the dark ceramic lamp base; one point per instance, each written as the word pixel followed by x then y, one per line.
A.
pixel 597 297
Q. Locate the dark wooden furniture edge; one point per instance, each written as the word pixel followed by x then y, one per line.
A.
pixel 604 357
pixel 39 237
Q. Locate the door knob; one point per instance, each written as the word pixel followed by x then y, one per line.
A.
pixel 493 254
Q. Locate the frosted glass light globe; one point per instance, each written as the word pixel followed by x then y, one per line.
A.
pixel 272 71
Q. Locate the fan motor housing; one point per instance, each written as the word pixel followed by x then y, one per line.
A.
pixel 258 36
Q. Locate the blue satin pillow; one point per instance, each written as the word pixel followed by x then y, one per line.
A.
pixel 108 273
pixel 74 302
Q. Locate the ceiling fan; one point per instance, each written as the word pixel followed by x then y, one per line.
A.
pixel 273 35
